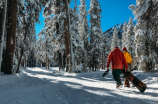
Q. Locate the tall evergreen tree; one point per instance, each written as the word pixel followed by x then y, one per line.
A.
pixel 96 33
pixel 130 37
pixel 144 38
pixel 124 34
pixel 29 14
pixel 83 31
pixel 55 24
pixel 39 49
pixel 46 49
pixel 115 39
pixel 62 24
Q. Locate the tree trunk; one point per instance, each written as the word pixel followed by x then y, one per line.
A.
pixel 30 62
pixel 24 63
pixel 41 63
pixel 3 61
pixel 2 29
pixel 11 36
pixel 67 35
pixel 147 67
pixel 27 63
pixel 95 66
pixel 22 51
pixel 46 62
pixel 104 60
pixel 35 63
pixel 60 61
pixel 62 58
pixel 93 63
pixel 67 44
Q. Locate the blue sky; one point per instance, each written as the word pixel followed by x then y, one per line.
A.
pixel 113 12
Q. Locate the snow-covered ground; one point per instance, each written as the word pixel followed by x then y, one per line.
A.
pixel 39 86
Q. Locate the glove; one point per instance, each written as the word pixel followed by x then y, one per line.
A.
pixel 105 73
pixel 126 73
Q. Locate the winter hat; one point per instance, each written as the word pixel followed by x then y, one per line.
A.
pixel 124 48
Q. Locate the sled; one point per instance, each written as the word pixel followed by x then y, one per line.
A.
pixel 135 81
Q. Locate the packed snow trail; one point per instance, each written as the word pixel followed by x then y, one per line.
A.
pixel 39 86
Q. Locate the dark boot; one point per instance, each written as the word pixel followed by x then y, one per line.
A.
pixel 126 83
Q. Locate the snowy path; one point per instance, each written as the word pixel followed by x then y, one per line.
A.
pixel 38 86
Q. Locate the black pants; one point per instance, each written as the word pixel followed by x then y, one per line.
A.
pixel 116 75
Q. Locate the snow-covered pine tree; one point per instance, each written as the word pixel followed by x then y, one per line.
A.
pixel 62 22
pixel 77 46
pixel 15 17
pixel 83 27
pixel 38 49
pixel 35 7
pixel 47 50
pixel 95 35
pixel 154 31
pixel 55 25
pixel 105 47
pixel 130 38
pixel 115 39
pixel 144 35
pixel 124 42
pixel 26 30
pixel 84 31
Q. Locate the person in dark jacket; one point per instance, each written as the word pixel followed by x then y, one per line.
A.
pixel 118 63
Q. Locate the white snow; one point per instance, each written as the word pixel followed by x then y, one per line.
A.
pixel 40 86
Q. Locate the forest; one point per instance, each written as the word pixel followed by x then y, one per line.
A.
pixel 68 41
pixel 67 60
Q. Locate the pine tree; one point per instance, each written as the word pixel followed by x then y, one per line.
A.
pixel 124 43
pixel 47 50
pixel 83 31
pixel 115 39
pixel 144 36
pixel 130 38
pixel 56 27
pixel 77 46
pixel 63 27
pixel 29 14
pixel 38 49
pixel 96 33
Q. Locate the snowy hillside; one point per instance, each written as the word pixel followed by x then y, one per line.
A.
pixel 110 31
pixel 39 86
pixel 108 36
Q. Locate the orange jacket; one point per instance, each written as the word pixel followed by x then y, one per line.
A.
pixel 127 57
pixel 117 58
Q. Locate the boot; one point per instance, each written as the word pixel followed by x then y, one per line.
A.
pixel 127 83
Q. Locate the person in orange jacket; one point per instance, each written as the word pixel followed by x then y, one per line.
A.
pixel 118 63
pixel 129 61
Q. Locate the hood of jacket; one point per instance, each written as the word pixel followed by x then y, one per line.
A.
pixel 116 49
